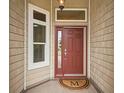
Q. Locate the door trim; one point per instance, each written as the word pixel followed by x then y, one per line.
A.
pixel 86 56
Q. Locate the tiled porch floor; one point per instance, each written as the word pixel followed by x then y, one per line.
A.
pixel 53 86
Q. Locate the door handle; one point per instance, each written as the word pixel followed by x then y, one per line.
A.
pixel 65 51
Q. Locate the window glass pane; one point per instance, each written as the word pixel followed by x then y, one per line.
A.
pixel 39 16
pixel 39 53
pixel 59 48
pixel 39 33
pixel 71 15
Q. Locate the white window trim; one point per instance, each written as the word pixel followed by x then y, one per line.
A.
pixel 31 64
pixel 71 9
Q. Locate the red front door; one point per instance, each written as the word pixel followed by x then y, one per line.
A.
pixel 72 51
pixel 69 52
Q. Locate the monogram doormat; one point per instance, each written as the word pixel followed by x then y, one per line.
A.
pixel 74 83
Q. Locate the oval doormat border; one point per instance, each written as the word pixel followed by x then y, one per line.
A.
pixel 86 85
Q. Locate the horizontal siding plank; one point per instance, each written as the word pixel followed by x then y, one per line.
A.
pixel 17 85
pixel 17 7
pixel 16 37
pixel 16 79
pixel 16 65
pixel 16 23
pixel 37 80
pixel 16 44
pixel 16 16
pixel 16 72
pixel 30 72
pixel 16 51
pixel 37 75
pixel 16 58
pixel 16 30
pixel 19 89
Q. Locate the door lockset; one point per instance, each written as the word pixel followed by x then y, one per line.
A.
pixel 65 51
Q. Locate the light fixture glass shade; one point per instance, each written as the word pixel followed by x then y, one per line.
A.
pixel 61 4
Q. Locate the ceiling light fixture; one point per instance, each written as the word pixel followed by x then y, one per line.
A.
pixel 61 4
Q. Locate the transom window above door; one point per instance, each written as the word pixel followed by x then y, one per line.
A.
pixel 38 37
pixel 71 14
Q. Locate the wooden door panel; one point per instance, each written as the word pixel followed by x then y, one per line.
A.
pixel 73 58
pixel 77 45
pixel 69 44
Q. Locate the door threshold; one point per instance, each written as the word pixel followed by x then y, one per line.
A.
pixel 73 75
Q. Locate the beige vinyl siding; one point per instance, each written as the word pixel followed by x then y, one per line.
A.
pixel 102 44
pixel 36 76
pixel 16 46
